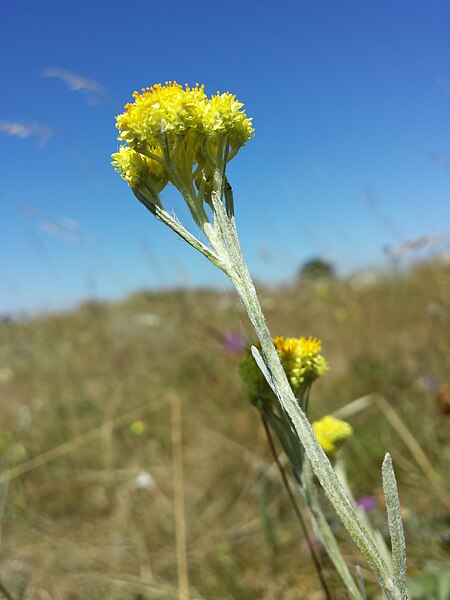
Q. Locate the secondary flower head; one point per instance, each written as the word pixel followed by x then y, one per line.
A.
pixel 331 433
pixel 223 117
pixel 301 358
pixel 302 362
pixel 181 135
pixel 145 174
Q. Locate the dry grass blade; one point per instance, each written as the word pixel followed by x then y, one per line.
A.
pixel 73 444
pixel 410 442
pixel 404 434
pixel 178 487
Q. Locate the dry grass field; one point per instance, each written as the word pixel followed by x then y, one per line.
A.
pixel 92 496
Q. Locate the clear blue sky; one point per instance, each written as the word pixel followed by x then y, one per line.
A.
pixel 350 102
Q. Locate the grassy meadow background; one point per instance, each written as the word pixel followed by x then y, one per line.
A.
pixel 123 423
pixel 90 440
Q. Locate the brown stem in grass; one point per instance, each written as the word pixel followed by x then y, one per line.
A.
pixel 179 503
pixel 297 512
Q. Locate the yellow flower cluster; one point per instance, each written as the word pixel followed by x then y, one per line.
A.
pixel 160 109
pixel 173 134
pixel 301 360
pixel 331 433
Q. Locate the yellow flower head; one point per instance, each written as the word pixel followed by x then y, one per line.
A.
pixel 139 171
pixel 331 433
pixel 301 358
pixel 301 361
pixel 290 353
pixel 315 364
pixel 162 109
pixel 223 117
pixel 183 136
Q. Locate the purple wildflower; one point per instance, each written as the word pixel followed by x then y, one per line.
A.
pixel 366 503
pixel 233 342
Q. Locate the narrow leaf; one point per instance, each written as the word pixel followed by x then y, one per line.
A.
pixel 361 585
pixel 398 545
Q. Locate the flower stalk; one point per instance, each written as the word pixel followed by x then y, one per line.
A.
pixel 180 136
pixel 276 377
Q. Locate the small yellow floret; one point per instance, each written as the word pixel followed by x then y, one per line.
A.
pixel 310 346
pixel 303 347
pixel 287 346
pixel 331 433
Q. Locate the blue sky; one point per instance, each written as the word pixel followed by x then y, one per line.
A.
pixel 350 102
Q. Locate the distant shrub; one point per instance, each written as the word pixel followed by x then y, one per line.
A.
pixel 317 268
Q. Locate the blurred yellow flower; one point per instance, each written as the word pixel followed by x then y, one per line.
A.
pixel 331 433
pixel 138 428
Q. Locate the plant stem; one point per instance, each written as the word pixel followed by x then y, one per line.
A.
pixel 178 484
pixel 226 254
pixel 238 272
pixel 297 511
pixel 325 533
